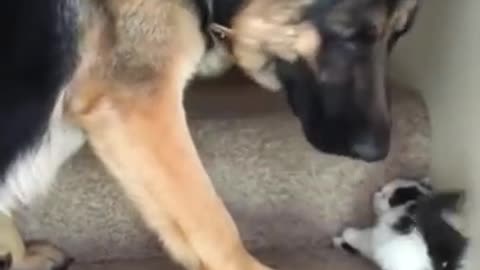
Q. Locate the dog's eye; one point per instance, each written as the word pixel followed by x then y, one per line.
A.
pixel 365 35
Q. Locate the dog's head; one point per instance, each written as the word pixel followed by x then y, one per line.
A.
pixel 330 58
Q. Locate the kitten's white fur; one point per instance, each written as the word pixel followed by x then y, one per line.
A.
pixel 381 243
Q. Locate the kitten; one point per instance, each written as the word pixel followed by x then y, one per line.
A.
pixel 410 232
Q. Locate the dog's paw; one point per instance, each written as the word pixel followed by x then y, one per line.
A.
pixel 5 262
pixel 43 256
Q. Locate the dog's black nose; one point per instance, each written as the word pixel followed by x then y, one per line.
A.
pixel 370 148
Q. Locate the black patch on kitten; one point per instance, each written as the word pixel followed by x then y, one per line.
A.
pixel 404 225
pixel 347 247
pixel 404 195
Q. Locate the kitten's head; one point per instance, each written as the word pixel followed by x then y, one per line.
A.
pixel 399 192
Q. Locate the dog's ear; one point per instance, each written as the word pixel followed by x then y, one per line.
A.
pixel 404 11
pixel 256 50
pixel 308 43
pixel 269 30
pixel 286 42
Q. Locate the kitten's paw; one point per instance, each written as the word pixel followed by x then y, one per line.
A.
pixel 337 242
pixel 341 242
pixel 350 234
pixel 43 256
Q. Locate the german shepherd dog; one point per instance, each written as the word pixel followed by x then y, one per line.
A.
pixel 113 72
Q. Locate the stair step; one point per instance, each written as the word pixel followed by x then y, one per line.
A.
pixel 279 190
pixel 298 259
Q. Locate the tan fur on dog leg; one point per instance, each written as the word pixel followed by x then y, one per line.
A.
pixel 147 146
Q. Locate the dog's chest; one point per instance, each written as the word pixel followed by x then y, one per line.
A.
pixel 142 38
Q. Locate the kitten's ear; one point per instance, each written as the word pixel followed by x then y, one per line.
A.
pixel 426 180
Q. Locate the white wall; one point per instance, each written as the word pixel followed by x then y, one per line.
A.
pixel 441 58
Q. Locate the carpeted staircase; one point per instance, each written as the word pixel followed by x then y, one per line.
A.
pixel 287 199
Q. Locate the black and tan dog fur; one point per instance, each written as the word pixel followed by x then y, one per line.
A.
pixel 113 72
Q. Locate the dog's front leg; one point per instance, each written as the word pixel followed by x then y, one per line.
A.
pixel 144 140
